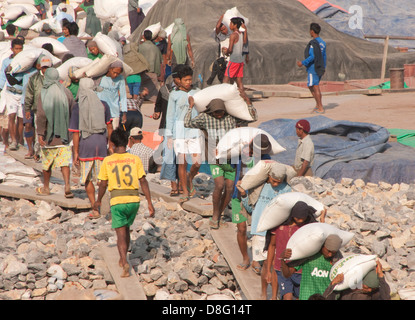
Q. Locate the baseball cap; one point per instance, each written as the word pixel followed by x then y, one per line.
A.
pixel 45 62
pixel 136 131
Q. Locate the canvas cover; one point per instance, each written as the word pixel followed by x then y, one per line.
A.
pixel 278 34
pixel 347 149
pixel 379 17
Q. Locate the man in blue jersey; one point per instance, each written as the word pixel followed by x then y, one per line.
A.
pixel 315 62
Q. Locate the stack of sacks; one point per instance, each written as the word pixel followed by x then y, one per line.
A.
pixel 229 93
pixel 115 12
pixel 16 174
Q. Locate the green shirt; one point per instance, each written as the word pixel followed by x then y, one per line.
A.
pixel 134 78
pixel 73 87
pixel 93 57
pixel 38 2
pixel 315 276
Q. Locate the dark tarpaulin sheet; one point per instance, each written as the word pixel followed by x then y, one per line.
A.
pixel 278 33
pixel 379 17
pixel 345 149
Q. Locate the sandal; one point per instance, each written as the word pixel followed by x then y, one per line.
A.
pixel 29 156
pixel 192 192
pixel 69 195
pixel 256 269
pixel 93 215
pixel 184 199
pixel 243 266
pixel 41 192
pixel 174 193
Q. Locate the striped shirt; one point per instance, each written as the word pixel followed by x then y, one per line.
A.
pixel 214 128
pixel 142 151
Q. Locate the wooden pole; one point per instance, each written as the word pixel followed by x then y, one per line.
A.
pixel 385 56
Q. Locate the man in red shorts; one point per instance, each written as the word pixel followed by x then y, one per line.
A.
pixel 235 68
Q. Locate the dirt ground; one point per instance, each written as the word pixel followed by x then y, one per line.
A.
pixel 389 110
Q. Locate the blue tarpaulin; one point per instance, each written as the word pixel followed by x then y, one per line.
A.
pixel 347 149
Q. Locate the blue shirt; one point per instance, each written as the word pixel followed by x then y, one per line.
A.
pixel 177 108
pixel 3 79
pixel 114 94
pixel 309 62
pixel 267 194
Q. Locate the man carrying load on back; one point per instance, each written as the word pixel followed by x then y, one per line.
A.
pixel 235 68
pixel 215 122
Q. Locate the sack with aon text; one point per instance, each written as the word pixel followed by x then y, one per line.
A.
pixel 309 239
pixel 354 268
pixel 229 93
pixel 278 209
pixel 233 143
pixel 257 175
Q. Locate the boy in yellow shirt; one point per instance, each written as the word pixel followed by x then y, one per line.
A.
pixel 123 173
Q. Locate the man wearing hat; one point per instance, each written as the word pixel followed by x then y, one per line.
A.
pixel 315 270
pixel 304 156
pixel 31 98
pixel 215 122
pixel 140 149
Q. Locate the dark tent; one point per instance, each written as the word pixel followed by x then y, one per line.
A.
pixel 278 33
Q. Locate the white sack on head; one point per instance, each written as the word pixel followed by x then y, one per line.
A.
pixel 25 59
pixel 231 145
pixel 309 239
pixel 278 209
pixel 58 47
pixel 105 44
pixel 235 105
pixel 26 21
pixel 78 62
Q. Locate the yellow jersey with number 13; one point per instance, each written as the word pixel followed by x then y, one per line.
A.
pixel 123 171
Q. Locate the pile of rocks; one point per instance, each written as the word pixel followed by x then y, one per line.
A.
pixel 46 249
pixel 381 216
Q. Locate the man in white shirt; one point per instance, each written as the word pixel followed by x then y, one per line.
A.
pixel 304 156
